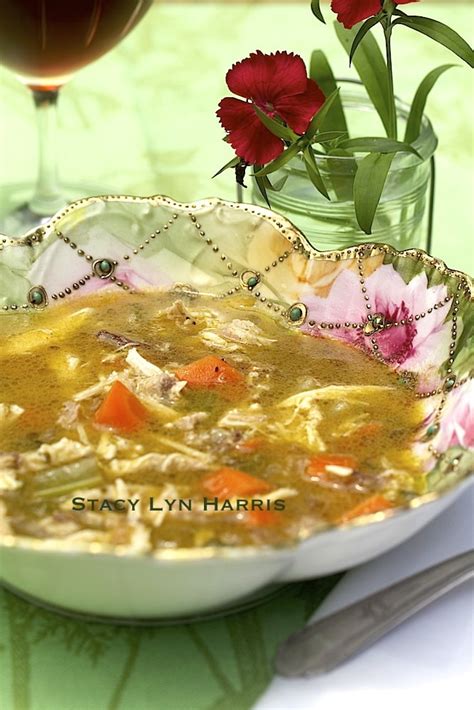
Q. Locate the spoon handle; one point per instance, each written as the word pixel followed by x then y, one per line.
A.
pixel 326 643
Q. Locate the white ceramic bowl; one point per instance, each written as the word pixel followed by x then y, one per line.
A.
pixel 178 248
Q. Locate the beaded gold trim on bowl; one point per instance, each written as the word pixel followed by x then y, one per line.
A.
pixel 407 308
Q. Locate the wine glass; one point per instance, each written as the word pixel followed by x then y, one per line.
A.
pixel 44 42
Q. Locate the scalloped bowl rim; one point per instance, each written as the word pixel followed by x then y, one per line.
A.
pixel 211 552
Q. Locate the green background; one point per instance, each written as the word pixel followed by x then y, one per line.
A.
pixel 141 120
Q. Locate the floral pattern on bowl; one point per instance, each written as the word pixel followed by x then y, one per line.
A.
pixel 405 308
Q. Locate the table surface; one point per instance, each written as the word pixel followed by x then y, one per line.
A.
pixel 141 120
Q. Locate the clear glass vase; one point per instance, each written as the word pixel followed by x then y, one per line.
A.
pixel 404 215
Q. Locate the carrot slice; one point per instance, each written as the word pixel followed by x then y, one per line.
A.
pixel 230 483
pixel 368 431
pixel 249 446
pixel 121 409
pixel 374 504
pixel 209 371
pixel 261 518
pixel 321 464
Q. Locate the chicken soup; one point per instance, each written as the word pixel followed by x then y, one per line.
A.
pixel 161 420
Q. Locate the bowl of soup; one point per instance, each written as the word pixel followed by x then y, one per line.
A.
pixel 195 404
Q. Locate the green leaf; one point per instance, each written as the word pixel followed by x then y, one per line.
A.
pixel 275 127
pixel 313 172
pixel 231 164
pixel 321 72
pixel 316 9
pixel 419 102
pixel 273 187
pixel 279 162
pixel 372 70
pixel 328 136
pixel 369 182
pixel 320 117
pixel 279 185
pixel 377 145
pixel 263 189
pixel 361 32
pixel 440 33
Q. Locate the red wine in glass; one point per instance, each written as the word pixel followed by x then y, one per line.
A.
pixel 45 42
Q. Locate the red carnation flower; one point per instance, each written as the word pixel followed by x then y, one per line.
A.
pixel 277 84
pixel 350 12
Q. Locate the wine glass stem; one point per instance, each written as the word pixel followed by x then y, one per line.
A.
pixel 47 198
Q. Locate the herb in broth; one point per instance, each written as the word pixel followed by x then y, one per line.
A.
pixel 155 421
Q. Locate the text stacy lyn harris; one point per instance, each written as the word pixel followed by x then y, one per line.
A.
pixel 204 504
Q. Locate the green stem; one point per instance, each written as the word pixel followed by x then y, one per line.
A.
pixel 393 130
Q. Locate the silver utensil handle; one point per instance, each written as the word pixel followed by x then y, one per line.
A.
pixel 326 643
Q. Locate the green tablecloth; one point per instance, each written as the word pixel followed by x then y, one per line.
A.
pixel 141 121
pixel 49 662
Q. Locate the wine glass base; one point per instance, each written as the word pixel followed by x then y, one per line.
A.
pixel 16 216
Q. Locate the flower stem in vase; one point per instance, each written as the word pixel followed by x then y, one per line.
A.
pixel 393 132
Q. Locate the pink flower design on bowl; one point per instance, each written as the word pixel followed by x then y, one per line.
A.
pixel 457 422
pixel 416 345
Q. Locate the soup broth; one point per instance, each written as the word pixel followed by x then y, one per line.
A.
pixel 160 420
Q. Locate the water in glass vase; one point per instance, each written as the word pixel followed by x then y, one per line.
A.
pixel 403 215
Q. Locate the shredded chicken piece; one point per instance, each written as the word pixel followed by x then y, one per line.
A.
pixel 162 463
pixel 139 538
pixel 243 419
pixel 118 489
pixel 141 365
pixel 10 412
pixel 311 422
pixel 110 445
pixel 340 470
pixel 51 455
pixel 82 434
pixel 182 448
pixel 354 393
pixel 106 449
pixel 281 493
pixel 8 480
pixel 215 440
pixel 181 316
pixel 188 422
pixel 230 336
pixel 160 410
pixel 9 462
pixel 149 380
pixel 72 362
pixel 244 331
pixel 98 388
pixel 68 415
pixel 214 341
pixel 303 423
pixel 347 428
